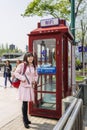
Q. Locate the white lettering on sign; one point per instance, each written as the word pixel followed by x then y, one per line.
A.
pixel 49 22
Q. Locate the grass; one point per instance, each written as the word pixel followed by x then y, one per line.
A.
pixel 80 78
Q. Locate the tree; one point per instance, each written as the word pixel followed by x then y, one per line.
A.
pixel 55 8
pixel 80 7
pixel 81 34
pixel 84 30
pixel 6 49
pixel 81 24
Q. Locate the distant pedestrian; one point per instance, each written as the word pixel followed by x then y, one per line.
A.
pixel 28 81
pixel 7 72
pixel 17 63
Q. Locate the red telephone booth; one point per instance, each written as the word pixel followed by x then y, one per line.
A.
pixel 51 46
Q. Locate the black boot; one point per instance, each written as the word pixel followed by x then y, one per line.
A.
pixel 25 117
pixel 26 126
pixel 29 122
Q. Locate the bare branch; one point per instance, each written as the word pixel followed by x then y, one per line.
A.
pixel 77 9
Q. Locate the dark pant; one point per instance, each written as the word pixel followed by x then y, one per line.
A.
pixel 24 112
pixel 7 77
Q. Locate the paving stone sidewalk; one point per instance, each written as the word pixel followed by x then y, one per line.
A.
pixel 37 124
pixel 10 112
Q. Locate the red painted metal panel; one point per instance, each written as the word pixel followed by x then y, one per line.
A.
pixel 65 65
pixel 59 75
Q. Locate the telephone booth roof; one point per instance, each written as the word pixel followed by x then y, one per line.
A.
pixel 61 28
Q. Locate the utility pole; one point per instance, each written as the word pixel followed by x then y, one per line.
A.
pixel 73 19
pixel 73 46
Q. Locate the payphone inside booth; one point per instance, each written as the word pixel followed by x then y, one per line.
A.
pixel 51 46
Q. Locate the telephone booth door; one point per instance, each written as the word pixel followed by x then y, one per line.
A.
pixel 46 90
pixel 51 55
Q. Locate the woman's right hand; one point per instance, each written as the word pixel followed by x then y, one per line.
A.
pixel 23 81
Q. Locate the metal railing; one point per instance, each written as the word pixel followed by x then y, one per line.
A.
pixel 72 119
pixel 78 95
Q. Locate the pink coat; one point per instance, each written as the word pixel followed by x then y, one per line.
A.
pixel 26 91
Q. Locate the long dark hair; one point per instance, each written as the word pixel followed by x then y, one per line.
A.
pixel 29 55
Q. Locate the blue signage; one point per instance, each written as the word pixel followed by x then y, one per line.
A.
pixel 85 49
pixel 80 48
pixel 46 70
pixel 44 53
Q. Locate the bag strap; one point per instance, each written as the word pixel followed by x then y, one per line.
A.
pixel 27 79
pixel 25 66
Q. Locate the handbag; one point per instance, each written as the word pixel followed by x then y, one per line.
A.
pixel 15 81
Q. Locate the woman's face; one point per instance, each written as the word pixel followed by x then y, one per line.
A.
pixel 18 62
pixel 30 59
pixel 7 63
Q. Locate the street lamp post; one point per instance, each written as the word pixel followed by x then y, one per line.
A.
pixel 73 46
pixel 73 19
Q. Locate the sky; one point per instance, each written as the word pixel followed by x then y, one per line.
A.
pixel 13 27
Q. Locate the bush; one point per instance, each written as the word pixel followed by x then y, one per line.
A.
pixel 78 64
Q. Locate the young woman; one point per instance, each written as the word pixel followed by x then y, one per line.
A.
pixel 7 72
pixel 26 90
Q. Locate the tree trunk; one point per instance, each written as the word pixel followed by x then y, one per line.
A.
pixel 83 35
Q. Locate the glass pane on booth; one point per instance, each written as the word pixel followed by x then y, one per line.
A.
pixel 45 53
pixel 47 101
pixel 48 83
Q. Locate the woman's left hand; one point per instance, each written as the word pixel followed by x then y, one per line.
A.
pixel 33 84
